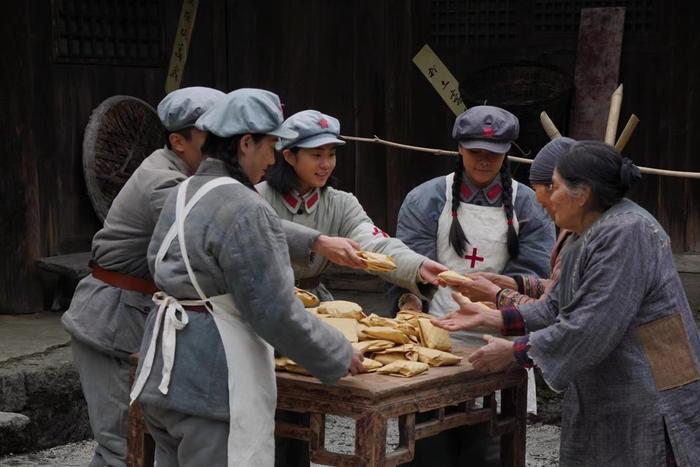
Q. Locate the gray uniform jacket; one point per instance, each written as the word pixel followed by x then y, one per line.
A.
pixel 109 318
pixel 611 315
pixel 338 213
pixel 237 245
pixel 420 211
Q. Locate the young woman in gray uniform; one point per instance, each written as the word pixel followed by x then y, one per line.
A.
pixel 219 254
pixel 297 187
pixel 476 219
pixel 107 314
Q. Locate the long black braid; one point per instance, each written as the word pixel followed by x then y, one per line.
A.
pixel 507 201
pixel 458 239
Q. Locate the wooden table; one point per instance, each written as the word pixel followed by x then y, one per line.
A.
pixel 372 399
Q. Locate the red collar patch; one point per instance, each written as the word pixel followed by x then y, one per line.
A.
pixel 312 200
pixel 291 200
pixel 488 132
pixel 494 191
pixel 323 123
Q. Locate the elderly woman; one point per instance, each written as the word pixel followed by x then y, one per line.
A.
pixel 616 333
pixel 507 290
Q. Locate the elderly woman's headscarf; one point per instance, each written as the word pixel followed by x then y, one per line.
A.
pixel 544 163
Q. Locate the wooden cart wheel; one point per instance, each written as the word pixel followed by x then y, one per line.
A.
pixel 122 132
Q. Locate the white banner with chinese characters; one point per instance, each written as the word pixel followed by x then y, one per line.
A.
pixel 440 77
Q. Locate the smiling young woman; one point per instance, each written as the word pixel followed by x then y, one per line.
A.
pixel 299 188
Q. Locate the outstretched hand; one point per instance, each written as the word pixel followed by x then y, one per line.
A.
pixel 494 356
pixel 504 282
pixel 478 288
pixel 339 250
pixel 469 316
pixel 429 271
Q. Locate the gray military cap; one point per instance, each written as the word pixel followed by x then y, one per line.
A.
pixel 182 107
pixel 243 111
pixel 486 127
pixel 315 130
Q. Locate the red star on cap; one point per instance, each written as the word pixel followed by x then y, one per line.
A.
pixel 323 123
pixel 488 132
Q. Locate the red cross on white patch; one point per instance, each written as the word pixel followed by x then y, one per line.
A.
pixel 474 258
pixel 378 231
pixel 323 123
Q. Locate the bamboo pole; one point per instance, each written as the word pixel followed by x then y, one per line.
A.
pixel 627 133
pixel 549 126
pixel 613 116
pixel 444 152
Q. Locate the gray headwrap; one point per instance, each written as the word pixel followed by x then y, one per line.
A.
pixel 546 160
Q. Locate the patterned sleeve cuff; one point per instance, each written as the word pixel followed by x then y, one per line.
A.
pixel 513 322
pixel 506 297
pixel 533 286
pixel 520 348
pixel 520 283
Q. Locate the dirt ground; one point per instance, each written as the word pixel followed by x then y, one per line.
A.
pixel 542 447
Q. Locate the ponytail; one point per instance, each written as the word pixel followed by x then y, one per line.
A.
pixel 458 240
pixel 507 201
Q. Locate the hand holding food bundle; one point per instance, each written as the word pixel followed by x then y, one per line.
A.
pixel 377 262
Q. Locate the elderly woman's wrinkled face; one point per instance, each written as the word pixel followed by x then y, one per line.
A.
pixel 568 205
pixel 543 193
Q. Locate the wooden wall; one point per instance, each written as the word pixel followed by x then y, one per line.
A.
pixel 348 59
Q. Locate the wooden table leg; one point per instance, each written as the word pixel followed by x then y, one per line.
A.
pixel 370 439
pixel 514 403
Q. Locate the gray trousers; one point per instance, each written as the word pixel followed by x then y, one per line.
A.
pixel 184 440
pixel 105 382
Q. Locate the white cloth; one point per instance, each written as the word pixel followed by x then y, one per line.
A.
pixel 486 228
pixel 251 376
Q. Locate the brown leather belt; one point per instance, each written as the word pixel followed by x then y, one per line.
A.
pixel 197 308
pixel 308 283
pixel 122 281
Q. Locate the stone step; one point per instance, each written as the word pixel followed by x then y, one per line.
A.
pixel 42 393
pixel 13 429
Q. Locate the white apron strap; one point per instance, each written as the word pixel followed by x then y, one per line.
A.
pixel 169 307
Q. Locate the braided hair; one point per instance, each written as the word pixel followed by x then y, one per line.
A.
pixel 458 239
pixel 507 202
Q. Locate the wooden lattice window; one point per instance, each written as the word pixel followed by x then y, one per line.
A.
pixel 564 15
pixel 474 22
pixel 124 32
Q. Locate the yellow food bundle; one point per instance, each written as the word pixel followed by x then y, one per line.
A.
pixel 376 320
pixel 386 333
pixel 404 368
pixel 433 337
pixel 370 364
pixel 374 345
pixel 453 278
pixel 306 297
pixel 434 357
pixel 341 309
pixel 402 352
pixel 377 262
pixel 347 326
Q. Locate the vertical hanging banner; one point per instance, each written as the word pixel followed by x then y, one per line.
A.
pixel 181 44
pixel 440 77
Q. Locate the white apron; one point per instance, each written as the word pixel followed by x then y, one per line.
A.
pixel 486 228
pixel 251 372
